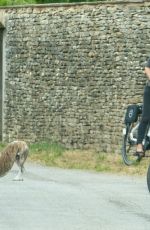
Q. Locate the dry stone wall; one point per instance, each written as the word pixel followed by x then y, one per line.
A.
pixel 71 70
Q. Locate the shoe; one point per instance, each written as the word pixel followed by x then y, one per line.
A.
pixel 139 154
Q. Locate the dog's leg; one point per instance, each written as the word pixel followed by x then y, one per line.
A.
pixel 20 160
pixel 19 176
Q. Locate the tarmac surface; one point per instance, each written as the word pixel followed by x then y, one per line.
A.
pixel 59 199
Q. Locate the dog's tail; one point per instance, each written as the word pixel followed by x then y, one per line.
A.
pixel 7 159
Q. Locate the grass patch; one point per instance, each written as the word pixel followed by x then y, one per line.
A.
pixel 46 153
pixel 56 155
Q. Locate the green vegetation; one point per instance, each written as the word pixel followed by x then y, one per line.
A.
pixel 46 153
pixel 22 2
pixel 16 2
pixel 56 155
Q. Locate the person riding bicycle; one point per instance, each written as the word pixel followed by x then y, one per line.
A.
pixel 145 114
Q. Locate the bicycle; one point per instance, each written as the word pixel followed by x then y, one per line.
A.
pixel 132 121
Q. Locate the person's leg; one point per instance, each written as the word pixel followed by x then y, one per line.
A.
pixel 141 133
pixel 145 119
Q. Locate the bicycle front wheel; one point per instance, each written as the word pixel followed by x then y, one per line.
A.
pixel 128 148
pixel 148 178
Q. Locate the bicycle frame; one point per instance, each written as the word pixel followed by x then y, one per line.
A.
pixel 133 131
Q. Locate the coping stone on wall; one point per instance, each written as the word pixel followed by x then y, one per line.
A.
pixel 147 2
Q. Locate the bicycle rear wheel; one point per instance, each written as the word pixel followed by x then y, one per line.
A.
pixel 129 148
pixel 148 178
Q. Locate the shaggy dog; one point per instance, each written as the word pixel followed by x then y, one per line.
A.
pixel 16 151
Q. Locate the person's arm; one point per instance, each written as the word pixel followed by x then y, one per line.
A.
pixel 147 69
pixel 147 72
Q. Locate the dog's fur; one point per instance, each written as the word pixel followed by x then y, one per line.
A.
pixel 16 151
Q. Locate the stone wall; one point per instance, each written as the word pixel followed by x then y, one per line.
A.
pixel 71 70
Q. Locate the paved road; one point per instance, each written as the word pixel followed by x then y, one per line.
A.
pixel 57 199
